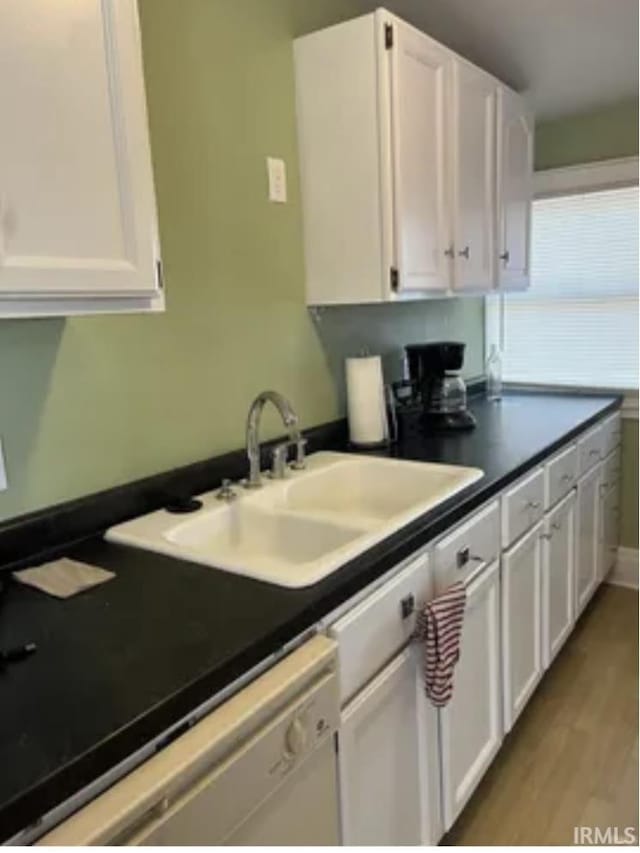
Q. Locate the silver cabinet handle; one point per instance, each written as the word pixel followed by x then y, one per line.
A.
pixel 449 252
pixel 464 556
pixel 546 536
pixel 594 452
pixel 556 526
pixel 567 478
pixel 464 253
pixel 407 606
pixel 505 256
pixel 532 505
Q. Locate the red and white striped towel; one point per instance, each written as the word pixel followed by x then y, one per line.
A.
pixel 439 626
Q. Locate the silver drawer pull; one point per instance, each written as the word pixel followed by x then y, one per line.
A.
pixel 532 504
pixel 407 606
pixel 464 556
pixel 556 526
pixel 546 536
pixel 567 478
pixel 594 452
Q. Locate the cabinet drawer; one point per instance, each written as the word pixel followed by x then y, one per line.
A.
pixel 522 506
pixel 611 433
pixel 560 475
pixel 611 468
pixel 590 449
pixel 474 543
pixel 373 632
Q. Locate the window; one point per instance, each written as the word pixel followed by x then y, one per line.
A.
pixel 578 323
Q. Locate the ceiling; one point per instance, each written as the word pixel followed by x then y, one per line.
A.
pixel 569 56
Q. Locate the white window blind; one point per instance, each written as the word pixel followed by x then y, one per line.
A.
pixel 578 322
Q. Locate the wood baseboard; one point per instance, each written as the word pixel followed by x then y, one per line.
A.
pixel 625 571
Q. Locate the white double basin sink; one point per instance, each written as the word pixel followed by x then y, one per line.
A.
pixel 296 531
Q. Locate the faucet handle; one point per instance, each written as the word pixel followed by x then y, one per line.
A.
pixel 279 461
pixel 299 463
pixel 226 491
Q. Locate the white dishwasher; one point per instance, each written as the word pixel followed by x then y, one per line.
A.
pixel 259 770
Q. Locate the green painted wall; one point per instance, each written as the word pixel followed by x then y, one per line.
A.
pixel 607 133
pixel 91 402
pixel 600 135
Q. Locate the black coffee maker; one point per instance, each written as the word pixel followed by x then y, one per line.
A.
pixel 436 386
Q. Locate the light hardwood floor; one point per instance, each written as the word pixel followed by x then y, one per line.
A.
pixel 572 758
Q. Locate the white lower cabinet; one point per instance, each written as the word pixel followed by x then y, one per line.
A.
pixel 558 567
pixel 587 538
pixel 407 770
pixel 609 505
pixel 610 515
pixel 521 622
pixel 471 724
pixel 387 756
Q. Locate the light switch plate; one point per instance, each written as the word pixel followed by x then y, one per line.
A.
pixel 277 173
pixel 3 470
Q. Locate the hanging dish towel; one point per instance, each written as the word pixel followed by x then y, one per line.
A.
pixel 439 626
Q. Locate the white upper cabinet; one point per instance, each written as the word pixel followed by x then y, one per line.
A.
pixel 514 191
pixel 473 176
pixel 420 81
pixel 77 211
pixel 399 141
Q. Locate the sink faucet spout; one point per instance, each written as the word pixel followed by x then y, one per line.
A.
pixel 289 419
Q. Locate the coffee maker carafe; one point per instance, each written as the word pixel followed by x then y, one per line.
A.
pixel 437 385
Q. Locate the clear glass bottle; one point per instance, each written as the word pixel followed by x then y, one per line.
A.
pixel 493 372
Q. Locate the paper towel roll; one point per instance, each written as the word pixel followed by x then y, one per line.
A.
pixel 365 401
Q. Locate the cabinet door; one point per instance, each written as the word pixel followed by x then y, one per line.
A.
pixel 609 510
pixel 420 70
pixel 558 567
pixel 587 538
pixel 386 737
pixel 77 215
pixel 471 724
pixel 473 174
pixel 514 191
pixel 521 622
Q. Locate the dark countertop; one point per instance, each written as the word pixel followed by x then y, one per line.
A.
pixel 120 664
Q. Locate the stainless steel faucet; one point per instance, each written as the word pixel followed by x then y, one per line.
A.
pixel 290 420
